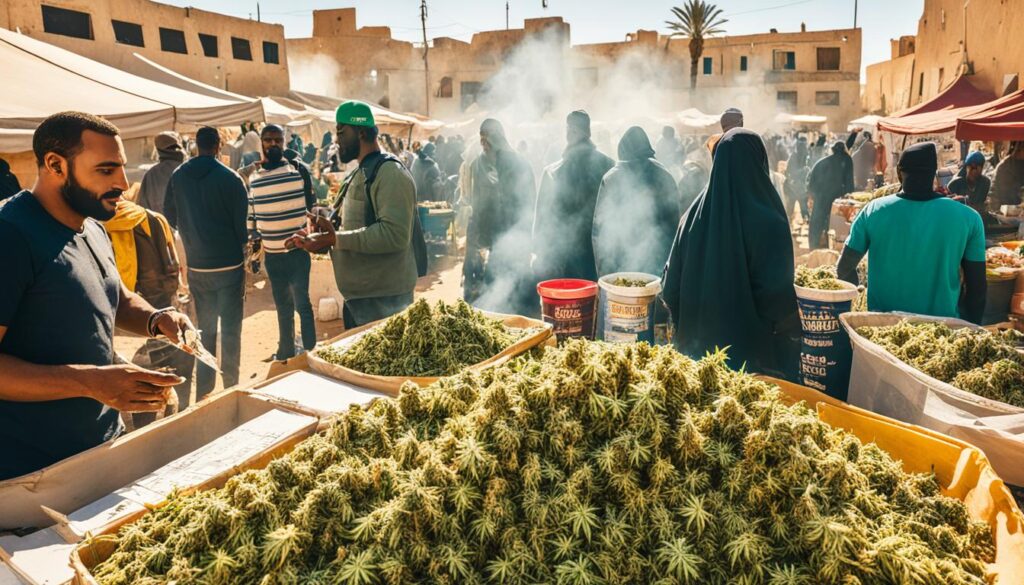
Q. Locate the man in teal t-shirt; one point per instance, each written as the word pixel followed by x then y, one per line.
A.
pixel 919 241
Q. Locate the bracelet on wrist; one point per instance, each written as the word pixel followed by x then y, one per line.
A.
pixel 151 323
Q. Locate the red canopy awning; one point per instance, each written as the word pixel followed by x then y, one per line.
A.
pixel 939 114
pixel 1004 120
pixel 961 93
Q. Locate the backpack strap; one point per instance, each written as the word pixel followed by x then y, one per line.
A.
pixel 370 174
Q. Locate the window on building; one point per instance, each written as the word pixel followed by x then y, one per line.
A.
pixel 826 98
pixel 209 43
pixel 270 53
pixel 786 101
pixel 743 63
pixel 172 41
pixel 708 65
pixel 128 33
pixel 240 49
pixel 470 90
pixel 70 23
pixel 447 88
pixel 920 85
pixel 828 58
pixel 784 60
pixel 942 74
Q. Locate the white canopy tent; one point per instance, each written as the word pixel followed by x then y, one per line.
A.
pixel 43 79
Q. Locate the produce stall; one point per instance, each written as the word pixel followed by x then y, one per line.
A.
pixel 571 463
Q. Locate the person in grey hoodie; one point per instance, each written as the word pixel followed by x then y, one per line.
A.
pixel 154 182
pixel 208 204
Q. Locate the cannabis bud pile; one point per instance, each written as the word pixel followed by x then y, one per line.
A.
pixel 979 362
pixel 589 463
pixel 630 282
pixel 426 341
pixel 821 278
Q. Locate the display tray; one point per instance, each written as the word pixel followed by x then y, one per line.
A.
pixel 962 471
pixel 83 479
pixel 390 385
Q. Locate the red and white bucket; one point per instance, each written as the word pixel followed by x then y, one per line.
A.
pixel 570 305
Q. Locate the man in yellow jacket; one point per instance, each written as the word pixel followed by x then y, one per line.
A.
pixel 148 264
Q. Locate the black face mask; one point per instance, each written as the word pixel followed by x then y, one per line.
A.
pixel 85 202
pixel 274 154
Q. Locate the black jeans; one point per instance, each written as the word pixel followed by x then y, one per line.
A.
pixel 359 312
pixel 289 282
pixel 219 297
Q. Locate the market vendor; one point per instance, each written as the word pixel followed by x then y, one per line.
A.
pixel 1009 179
pixel 370 234
pixel 972 185
pixel 60 299
pixel 919 241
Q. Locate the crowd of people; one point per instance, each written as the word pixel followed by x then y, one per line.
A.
pixel 714 216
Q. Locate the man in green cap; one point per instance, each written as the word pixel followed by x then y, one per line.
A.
pixel 370 227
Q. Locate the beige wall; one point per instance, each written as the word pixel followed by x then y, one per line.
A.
pixel 346 57
pixel 994 48
pixel 889 85
pixel 254 78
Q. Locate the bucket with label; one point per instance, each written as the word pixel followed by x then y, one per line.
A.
pixel 569 304
pixel 627 306
pixel 825 352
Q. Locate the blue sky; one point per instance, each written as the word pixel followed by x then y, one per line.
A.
pixel 592 20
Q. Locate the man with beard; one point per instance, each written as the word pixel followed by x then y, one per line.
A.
pixel 564 216
pixel 496 273
pixel 60 299
pixel 371 229
pixel 830 179
pixel 281 192
pixel 207 203
pixel 637 210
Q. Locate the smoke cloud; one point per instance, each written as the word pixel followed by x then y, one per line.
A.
pixel 317 74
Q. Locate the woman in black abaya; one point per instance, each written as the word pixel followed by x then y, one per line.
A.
pixel 729 277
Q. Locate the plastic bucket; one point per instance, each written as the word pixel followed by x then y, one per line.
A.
pixel 627 312
pixel 569 305
pixel 825 352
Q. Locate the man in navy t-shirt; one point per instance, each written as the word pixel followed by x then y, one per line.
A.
pixel 60 298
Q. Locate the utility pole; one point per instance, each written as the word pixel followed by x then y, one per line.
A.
pixel 506 14
pixel 426 62
pixel 855 13
pixel 258 12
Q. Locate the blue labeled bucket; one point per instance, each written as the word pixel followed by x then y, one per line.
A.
pixel 825 352
pixel 627 312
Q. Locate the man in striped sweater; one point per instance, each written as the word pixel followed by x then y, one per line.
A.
pixel 280 193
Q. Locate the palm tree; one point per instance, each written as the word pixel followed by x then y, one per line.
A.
pixel 696 20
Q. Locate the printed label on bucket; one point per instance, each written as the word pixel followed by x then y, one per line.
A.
pixel 627 323
pixel 825 352
pixel 570 318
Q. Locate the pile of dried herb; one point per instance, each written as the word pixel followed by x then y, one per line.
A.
pixel 979 362
pixel 426 340
pixel 630 282
pixel 590 463
pixel 821 278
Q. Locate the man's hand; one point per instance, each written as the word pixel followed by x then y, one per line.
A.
pixel 129 388
pixel 173 324
pixel 323 238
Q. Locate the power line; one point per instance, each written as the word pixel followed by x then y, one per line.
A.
pixel 767 8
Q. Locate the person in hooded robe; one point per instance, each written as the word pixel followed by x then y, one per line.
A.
pixel 829 179
pixel 9 184
pixel 251 149
pixel 728 282
pixel 496 273
pixel 797 168
pixel 864 163
pixel 427 174
pixel 564 216
pixel 154 182
pixel 919 243
pixel 695 178
pixel 637 210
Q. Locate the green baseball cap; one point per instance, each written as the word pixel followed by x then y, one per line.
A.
pixel 354 113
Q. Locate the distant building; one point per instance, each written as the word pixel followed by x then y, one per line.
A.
pixel 816 72
pixel 924 64
pixel 236 54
